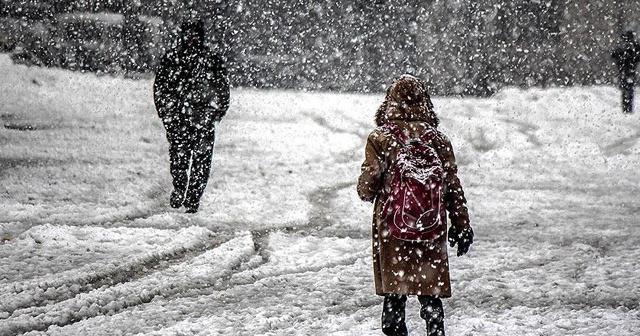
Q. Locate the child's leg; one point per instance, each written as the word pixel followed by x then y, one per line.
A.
pixel 393 323
pixel 432 312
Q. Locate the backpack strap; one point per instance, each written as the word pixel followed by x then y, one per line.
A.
pixel 396 131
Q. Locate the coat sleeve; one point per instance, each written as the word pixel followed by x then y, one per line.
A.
pixel 454 199
pixel 163 96
pixel 219 85
pixel 371 178
pixel 616 55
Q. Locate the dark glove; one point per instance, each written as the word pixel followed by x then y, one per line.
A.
pixel 463 237
pixel 217 117
pixel 215 114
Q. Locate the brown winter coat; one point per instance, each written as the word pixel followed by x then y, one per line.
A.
pixel 402 267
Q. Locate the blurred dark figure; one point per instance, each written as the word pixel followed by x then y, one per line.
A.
pixel 191 93
pixel 627 57
pixel 135 53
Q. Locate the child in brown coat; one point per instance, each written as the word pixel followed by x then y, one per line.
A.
pixel 404 267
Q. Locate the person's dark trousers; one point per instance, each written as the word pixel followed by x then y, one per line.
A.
pixel 180 148
pixel 627 98
pixel 432 312
pixel 393 323
pixel 202 156
pixel 393 315
pixel 190 155
pixel 180 159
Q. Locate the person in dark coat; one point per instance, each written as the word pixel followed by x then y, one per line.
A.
pixel 627 57
pixel 133 40
pixel 191 94
pixel 403 267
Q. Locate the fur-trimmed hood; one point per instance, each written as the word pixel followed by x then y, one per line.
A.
pixel 407 99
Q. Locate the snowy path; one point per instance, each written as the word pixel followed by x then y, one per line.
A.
pixel 281 245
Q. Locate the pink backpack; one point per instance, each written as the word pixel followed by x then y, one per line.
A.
pixel 413 205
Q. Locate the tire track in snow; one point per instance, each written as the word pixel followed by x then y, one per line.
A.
pixel 321 208
pixel 124 218
pixel 199 272
pixel 272 322
pixel 324 217
pixel 113 295
pixel 251 274
pixel 65 285
pixel 66 289
pixel 320 216
pixel 528 129
pixel 621 146
pixel 319 219
pixel 232 269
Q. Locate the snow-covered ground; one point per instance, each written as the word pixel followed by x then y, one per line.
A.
pixel 281 244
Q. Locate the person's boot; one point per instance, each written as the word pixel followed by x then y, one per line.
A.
pixel 393 322
pixel 433 313
pixel 176 199
pixel 191 207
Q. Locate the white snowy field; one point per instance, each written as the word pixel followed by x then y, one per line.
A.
pixel 89 245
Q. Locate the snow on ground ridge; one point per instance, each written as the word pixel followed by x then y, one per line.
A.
pixel 200 271
pixel 67 283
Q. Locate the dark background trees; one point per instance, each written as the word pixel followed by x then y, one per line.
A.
pixel 460 46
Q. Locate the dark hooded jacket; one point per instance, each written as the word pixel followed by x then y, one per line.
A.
pixel 191 81
pixel 402 267
pixel 627 58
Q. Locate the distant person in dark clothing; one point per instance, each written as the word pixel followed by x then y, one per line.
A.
pixel 627 57
pixel 191 93
pixel 133 41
